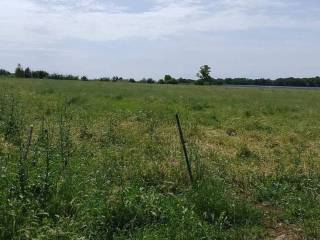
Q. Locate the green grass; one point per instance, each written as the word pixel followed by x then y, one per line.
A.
pixel 105 161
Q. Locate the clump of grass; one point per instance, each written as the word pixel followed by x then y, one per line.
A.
pixel 65 137
pixel 129 209
pixel 258 126
pixel 23 166
pixel 12 120
pixel 296 195
pixel 248 113
pixel 85 133
pixel 214 205
pixel 47 91
pixel 231 132
pixel 244 152
pixel 78 100
pixel 113 134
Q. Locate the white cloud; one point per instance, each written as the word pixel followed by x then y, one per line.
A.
pixel 161 36
pixel 95 20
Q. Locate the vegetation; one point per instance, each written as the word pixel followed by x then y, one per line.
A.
pixel 4 72
pixel 203 75
pixel 19 73
pixel 96 160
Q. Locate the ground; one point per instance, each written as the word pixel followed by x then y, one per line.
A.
pixel 104 161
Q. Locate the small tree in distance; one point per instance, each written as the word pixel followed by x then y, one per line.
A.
pixel 150 81
pixel 204 73
pixel 170 80
pixel 84 78
pixel 4 72
pixel 19 71
pixel 27 73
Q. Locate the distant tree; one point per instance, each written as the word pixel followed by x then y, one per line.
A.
pixel 199 82
pixel 167 78
pixel 40 74
pixel 19 72
pixel 131 80
pixel 173 81
pixel 54 76
pixel 184 81
pixel 106 79
pixel 116 79
pixel 204 73
pixel 70 77
pixel 84 78
pixel 27 73
pixel 150 81
pixel 143 80
pixel 161 81
pixel 4 72
pixel 170 80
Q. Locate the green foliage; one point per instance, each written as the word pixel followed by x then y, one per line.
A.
pixel 213 204
pixel 27 73
pixel 42 74
pixel 169 80
pixel 204 73
pixel 298 193
pixel 11 121
pixel 4 72
pixel 19 72
pixel 84 78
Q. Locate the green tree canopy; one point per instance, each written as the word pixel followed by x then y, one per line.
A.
pixel 27 73
pixel 204 73
pixel 19 71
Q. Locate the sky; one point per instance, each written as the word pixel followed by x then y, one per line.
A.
pixel 151 38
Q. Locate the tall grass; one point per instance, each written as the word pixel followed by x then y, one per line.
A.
pixel 99 166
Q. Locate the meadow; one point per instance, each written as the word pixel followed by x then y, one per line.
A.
pixel 103 160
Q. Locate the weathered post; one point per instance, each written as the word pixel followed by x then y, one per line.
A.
pixel 183 143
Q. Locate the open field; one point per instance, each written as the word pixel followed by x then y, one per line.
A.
pixel 105 161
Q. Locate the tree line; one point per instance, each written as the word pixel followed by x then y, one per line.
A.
pixel 28 73
pixel 204 78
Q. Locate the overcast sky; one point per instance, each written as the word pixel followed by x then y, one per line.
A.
pixel 149 38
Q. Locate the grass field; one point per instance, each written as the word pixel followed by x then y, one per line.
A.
pixel 105 161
